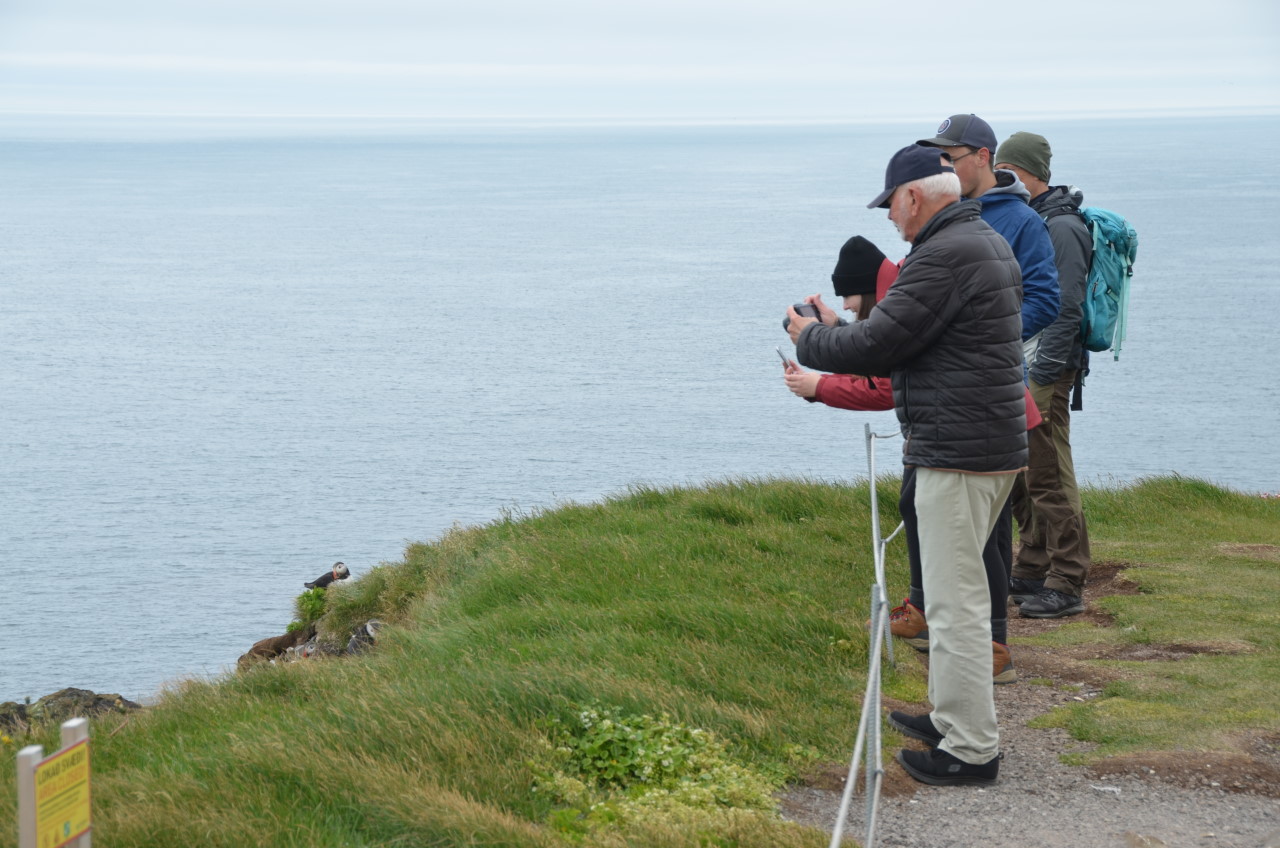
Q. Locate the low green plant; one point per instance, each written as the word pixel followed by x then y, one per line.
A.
pixel 308 608
pixel 608 768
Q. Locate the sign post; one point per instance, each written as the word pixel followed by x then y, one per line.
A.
pixel 53 792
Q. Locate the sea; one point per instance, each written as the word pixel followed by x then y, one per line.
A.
pixel 233 353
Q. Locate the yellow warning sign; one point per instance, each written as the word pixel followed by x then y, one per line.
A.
pixel 62 796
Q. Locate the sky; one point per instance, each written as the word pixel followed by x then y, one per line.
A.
pixel 787 60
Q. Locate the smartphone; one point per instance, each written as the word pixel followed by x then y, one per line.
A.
pixel 806 310
pixel 783 357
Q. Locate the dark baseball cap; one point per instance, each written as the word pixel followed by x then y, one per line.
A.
pixel 909 164
pixel 963 131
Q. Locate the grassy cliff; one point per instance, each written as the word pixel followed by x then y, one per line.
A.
pixel 642 672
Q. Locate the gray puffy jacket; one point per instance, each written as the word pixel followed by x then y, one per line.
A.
pixel 949 335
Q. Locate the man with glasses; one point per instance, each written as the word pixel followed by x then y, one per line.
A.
pixel 970 143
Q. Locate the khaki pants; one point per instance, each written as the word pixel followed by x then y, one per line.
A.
pixel 1046 499
pixel 956 513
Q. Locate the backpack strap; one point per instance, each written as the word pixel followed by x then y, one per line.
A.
pixel 1059 211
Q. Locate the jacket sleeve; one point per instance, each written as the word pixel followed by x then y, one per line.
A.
pixel 1040 297
pixel 845 391
pixel 916 311
pixel 1071 248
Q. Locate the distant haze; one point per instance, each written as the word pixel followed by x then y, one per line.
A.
pixel 706 59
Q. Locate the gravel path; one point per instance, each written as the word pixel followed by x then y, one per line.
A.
pixel 1228 799
pixel 1038 801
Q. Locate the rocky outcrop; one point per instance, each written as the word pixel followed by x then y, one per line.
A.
pixel 303 643
pixel 270 648
pixel 61 706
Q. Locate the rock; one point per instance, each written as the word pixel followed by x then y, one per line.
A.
pixel 267 649
pixel 13 716
pixel 63 705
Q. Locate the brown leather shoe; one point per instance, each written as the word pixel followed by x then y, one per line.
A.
pixel 1002 670
pixel 907 623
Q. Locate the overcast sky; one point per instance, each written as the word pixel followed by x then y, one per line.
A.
pixel 690 59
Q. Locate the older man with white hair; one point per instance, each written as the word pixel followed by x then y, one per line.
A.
pixel 949 336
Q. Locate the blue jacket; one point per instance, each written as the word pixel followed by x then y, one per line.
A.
pixel 1005 209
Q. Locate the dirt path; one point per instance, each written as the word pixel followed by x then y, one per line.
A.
pixel 1225 800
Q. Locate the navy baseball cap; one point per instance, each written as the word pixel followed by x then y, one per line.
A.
pixel 963 131
pixel 909 164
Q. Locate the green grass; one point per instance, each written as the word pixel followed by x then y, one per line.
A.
pixel 736 608
pixel 1177 536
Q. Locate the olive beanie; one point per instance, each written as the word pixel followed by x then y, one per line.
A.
pixel 1028 151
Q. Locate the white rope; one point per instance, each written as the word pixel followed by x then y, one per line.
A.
pixel 869 721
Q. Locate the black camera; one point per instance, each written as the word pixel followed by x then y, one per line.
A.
pixel 804 310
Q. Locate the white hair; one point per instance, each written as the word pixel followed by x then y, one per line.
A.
pixel 936 187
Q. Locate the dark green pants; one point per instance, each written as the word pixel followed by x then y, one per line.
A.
pixel 1046 500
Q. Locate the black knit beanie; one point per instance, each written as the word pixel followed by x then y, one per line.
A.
pixel 858 267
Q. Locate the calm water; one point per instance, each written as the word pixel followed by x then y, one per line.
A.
pixel 229 362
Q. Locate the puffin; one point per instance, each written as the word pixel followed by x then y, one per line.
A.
pixel 338 572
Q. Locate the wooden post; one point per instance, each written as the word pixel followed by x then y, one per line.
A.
pixel 28 758
pixel 73 732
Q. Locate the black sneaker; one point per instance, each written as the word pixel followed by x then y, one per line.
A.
pixel 939 768
pixel 917 727
pixel 1050 603
pixel 1022 589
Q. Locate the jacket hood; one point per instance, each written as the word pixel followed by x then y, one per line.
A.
pixel 1007 182
pixel 885 278
pixel 1058 197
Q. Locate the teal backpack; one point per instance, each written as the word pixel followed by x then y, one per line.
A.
pixel 1106 301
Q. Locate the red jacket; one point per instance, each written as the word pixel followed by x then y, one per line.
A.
pixel 846 391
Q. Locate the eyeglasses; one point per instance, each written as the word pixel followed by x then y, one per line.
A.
pixel 955 159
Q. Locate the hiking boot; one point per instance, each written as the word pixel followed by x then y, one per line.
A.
pixel 1002 670
pixel 907 623
pixel 1050 603
pixel 917 727
pixel 939 768
pixel 1022 589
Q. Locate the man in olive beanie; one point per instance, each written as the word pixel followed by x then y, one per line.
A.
pixel 1051 565
pixel 1027 151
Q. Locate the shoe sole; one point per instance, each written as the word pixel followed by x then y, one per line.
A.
pixel 921 645
pixel 931 741
pixel 1009 675
pixel 1071 610
pixel 934 780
